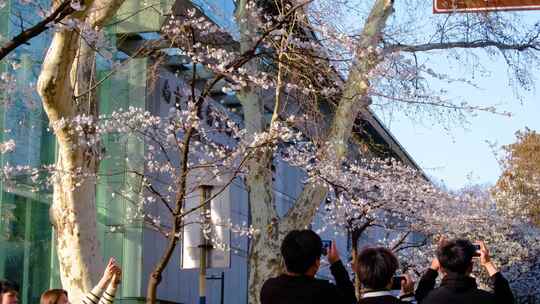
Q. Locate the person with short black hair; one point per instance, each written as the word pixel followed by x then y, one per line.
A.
pixel 301 251
pixel 9 292
pixel 455 260
pixel 375 268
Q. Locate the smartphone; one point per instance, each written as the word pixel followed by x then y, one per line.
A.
pixel 396 282
pixel 476 250
pixel 326 244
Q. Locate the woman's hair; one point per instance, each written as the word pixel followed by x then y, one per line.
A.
pixel 52 296
pixel 376 267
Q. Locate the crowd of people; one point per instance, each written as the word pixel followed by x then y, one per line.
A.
pixel 375 269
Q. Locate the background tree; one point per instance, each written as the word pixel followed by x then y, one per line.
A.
pixel 518 187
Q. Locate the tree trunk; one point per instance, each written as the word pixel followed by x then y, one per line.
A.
pixel 68 71
pixel 75 222
pixel 263 260
pixel 264 263
pixel 73 211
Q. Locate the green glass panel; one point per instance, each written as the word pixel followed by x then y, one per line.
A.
pixel 25 244
pixel 136 16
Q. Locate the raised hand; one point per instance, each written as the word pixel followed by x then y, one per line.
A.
pixel 333 253
pixel 407 285
pixel 485 259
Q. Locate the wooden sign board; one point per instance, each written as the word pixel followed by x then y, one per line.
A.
pixel 471 6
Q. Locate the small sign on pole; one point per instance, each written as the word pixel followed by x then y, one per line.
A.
pixel 193 235
pixel 471 6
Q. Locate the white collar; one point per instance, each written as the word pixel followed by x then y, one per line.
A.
pixel 372 294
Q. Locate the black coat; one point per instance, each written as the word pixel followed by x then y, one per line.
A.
pixel 461 289
pixel 286 289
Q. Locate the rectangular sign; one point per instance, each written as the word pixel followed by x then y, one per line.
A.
pixel 218 232
pixel 471 6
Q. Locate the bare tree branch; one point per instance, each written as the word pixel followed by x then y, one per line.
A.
pixel 535 45
pixel 56 16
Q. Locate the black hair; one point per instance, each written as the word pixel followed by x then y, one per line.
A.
pixel 456 256
pixel 8 286
pixel 300 250
pixel 376 267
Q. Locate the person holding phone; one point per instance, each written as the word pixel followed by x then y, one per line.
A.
pixel 455 261
pixel 301 251
pixel 102 293
pixel 376 269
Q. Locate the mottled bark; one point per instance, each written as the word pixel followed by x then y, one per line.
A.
pixel 67 71
pixel 263 214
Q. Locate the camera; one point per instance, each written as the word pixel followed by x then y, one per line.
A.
pixel 476 250
pixel 326 244
pixel 396 282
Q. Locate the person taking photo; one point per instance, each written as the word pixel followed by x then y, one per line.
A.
pixel 376 268
pixel 301 251
pixel 455 261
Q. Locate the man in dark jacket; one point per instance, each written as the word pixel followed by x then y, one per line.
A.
pixel 455 260
pixel 376 268
pixel 301 251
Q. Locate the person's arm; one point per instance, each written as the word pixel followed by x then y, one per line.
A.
pixel 343 282
pixel 344 285
pixel 407 290
pixel 501 288
pixel 503 293
pixel 109 294
pixel 94 296
pixel 427 282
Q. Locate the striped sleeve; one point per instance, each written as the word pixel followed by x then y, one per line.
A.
pixel 108 295
pixel 93 297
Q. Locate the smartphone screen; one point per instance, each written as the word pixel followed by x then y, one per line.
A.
pixel 326 246
pixel 476 250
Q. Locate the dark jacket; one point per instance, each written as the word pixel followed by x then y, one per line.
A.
pixel 461 289
pixel 384 297
pixel 286 289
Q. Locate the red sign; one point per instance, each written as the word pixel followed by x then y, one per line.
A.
pixel 452 6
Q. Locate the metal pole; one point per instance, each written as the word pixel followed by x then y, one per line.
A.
pixel 222 287
pixel 205 195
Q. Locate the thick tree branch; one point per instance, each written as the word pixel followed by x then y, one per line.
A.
pixel 353 99
pixel 534 45
pixel 63 10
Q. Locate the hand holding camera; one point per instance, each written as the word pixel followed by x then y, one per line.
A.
pixel 404 283
pixel 485 259
pixel 330 250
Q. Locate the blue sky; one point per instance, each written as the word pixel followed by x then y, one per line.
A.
pixel 462 155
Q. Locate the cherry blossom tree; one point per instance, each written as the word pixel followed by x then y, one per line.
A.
pixel 293 61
